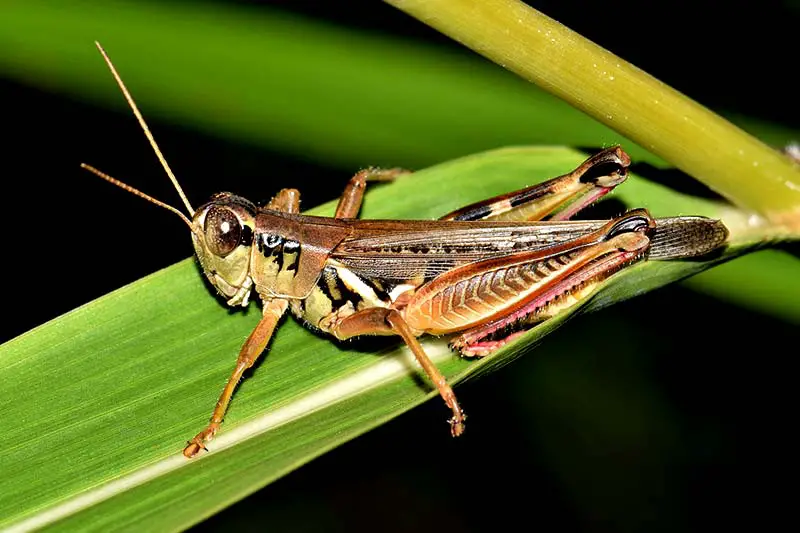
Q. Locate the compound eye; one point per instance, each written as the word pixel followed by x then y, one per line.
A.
pixel 223 231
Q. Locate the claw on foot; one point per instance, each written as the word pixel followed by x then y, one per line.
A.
pixel 457 424
pixel 192 449
pixel 198 443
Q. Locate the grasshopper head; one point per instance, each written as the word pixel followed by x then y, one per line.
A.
pixel 222 229
pixel 222 233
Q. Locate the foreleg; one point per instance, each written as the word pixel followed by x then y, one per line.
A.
pixel 251 350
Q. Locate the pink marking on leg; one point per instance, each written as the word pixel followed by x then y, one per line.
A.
pixel 484 348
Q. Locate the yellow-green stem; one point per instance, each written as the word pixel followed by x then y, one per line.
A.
pixel 661 119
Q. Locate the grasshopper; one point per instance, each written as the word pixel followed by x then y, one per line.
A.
pixel 485 273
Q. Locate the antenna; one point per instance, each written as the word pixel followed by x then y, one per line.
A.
pixel 143 124
pixel 137 192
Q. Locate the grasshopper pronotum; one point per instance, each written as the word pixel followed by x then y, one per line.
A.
pixel 485 273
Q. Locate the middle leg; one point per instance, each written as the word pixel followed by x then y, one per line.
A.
pixel 382 321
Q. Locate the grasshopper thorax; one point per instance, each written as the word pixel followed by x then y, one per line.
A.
pixel 222 234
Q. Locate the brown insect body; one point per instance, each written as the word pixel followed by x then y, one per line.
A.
pixel 486 272
pixel 310 262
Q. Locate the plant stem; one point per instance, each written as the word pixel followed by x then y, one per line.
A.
pixel 672 126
